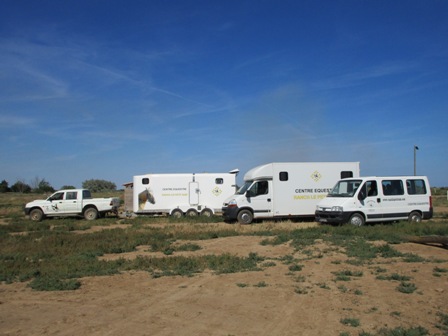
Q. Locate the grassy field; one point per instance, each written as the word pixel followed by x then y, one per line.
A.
pixel 53 255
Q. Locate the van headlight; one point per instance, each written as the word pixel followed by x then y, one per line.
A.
pixel 336 209
pixel 232 203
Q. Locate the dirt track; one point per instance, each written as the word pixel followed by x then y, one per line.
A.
pixel 274 301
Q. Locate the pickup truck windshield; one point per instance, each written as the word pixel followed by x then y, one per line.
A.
pixel 345 188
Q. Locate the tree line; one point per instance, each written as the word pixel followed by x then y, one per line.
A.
pixel 38 185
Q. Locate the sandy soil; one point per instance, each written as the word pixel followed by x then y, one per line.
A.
pixel 273 301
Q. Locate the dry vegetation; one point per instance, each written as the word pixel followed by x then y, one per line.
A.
pixel 148 276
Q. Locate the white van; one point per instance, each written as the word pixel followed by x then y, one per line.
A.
pixel 377 199
pixel 285 190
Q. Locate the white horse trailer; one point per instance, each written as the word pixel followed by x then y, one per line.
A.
pixel 182 194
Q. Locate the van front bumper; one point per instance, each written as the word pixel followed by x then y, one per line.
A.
pixel 230 213
pixel 332 217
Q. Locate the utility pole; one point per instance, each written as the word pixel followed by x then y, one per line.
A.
pixel 415 160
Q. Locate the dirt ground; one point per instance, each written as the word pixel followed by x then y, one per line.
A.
pixel 273 301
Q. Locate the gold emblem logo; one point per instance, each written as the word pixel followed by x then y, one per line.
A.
pixel 216 191
pixel 316 176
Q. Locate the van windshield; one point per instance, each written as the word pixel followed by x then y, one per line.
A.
pixel 345 188
pixel 243 189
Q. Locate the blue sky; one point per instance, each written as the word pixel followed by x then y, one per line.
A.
pixel 106 89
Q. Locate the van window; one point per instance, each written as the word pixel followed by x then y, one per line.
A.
pixel 283 176
pixel 219 181
pixel 416 187
pixel 259 188
pixel 392 187
pixel 346 174
pixel 145 180
pixel 372 189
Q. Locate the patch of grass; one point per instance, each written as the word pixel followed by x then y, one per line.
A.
pixel 352 322
pixel 188 247
pixel 261 284
pixel 295 268
pixel 413 331
pixel 346 275
pixel 268 264
pixel 242 285
pixel 407 287
pixel 53 284
pixel 394 277
pixel 323 286
pixel 300 290
pixel 443 322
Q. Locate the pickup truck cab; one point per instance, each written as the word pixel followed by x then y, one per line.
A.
pixel 72 202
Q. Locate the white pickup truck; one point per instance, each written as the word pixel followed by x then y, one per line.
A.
pixel 72 202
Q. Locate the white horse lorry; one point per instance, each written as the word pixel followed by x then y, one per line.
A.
pixel 182 194
pixel 285 190
pixel 377 199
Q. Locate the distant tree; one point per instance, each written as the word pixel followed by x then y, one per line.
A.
pixel 20 187
pixel 99 185
pixel 4 187
pixel 44 187
pixel 68 187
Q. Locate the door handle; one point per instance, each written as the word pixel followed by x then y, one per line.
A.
pixel 269 199
pixel 378 200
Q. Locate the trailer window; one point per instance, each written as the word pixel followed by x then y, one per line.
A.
pixel 416 187
pixel 219 181
pixel 392 187
pixel 283 176
pixel 346 174
pixel 145 180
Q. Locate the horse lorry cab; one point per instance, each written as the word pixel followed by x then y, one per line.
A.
pixel 377 199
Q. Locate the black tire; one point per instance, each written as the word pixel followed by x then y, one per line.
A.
pixel 206 213
pixel 191 213
pixel 36 215
pixel 245 217
pixel 357 220
pixel 177 213
pixel 415 217
pixel 90 214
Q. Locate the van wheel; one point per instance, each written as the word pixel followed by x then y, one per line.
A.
pixel 177 213
pixel 192 213
pixel 36 215
pixel 206 213
pixel 91 214
pixel 357 220
pixel 245 217
pixel 415 217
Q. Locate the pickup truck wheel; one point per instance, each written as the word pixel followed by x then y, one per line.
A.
pixel 245 217
pixel 415 217
pixel 91 214
pixel 36 215
pixel 357 220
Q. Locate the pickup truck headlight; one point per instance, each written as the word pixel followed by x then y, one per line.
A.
pixel 336 209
